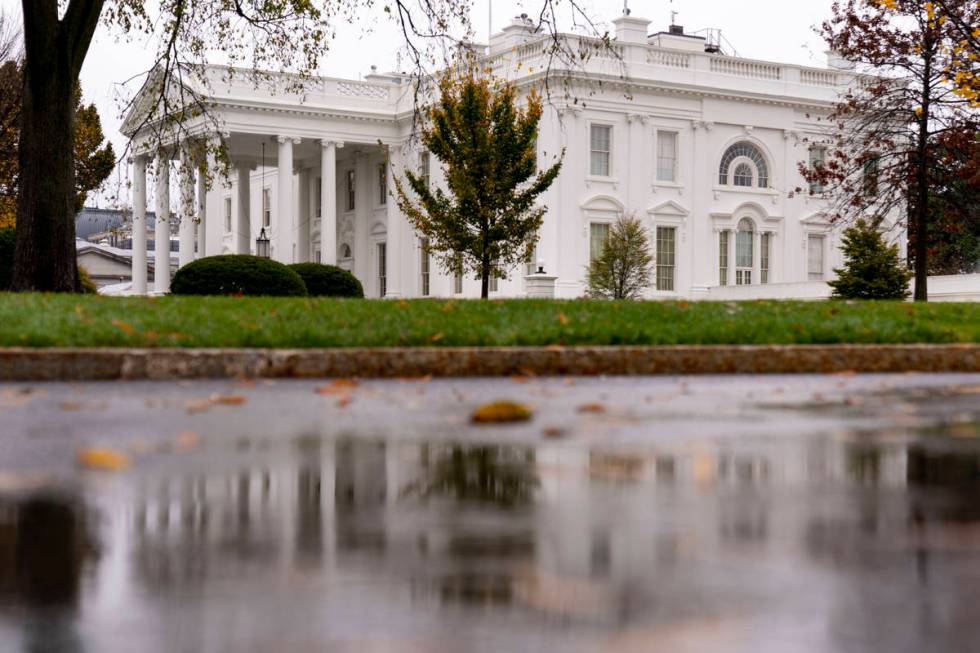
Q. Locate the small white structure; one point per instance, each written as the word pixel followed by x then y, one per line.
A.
pixel 703 147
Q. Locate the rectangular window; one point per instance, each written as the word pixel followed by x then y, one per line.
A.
pixel 814 257
pixel 601 143
pixel 817 157
pixel 458 278
pixel 598 235
pixel 665 257
pixel 228 214
pixel 666 156
pixel 424 168
pixel 424 261
pixel 351 188
pixel 871 175
pixel 723 258
pixel 266 208
pixel 492 283
pixel 765 244
pixel 382 269
pixel 316 256
pixel 532 261
pixel 382 184
pixel 319 197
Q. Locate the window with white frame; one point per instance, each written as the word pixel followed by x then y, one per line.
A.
pixel 666 156
pixel 351 190
pixel 666 237
pixel 424 266
pixel 266 207
pixel 598 235
pixel 817 157
pixel 382 184
pixel 424 163
pixel 765 245
pixel 871 166
pixel 228 214
pixel 744 254
pixel 493 281
pixel 458 277
pixel 723 242
pixel 319 197
pixel 532 260
pixel 814 256
pixel 382 254
pixel 600 148
pixel 744 175
pixel 743 162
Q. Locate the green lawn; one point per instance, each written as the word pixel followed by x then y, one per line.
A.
pixel 37 320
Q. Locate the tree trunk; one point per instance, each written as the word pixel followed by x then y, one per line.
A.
pixel 922 188
pixel 485 277
pixel 44 254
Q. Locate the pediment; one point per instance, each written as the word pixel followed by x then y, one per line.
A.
pixel 669 208
pixel 606 203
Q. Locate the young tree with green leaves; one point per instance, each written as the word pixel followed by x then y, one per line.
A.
pixel 622 270
pixel 872 268
pixel 486 221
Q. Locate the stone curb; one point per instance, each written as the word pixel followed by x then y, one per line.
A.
pixel 96 364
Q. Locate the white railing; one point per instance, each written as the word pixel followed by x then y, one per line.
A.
pixel 668 58
pixel 818 78
pixel 364 90
pixel 751 69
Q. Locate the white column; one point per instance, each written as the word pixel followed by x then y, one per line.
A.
pixel 395 251
pixel 284 230
pixel 161 234
pixel 139 225
pixel 328 201
pixel 303 222
pixel 243 232
pixel 186 226
pixel 202 207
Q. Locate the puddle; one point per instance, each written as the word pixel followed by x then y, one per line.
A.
pixel 851 538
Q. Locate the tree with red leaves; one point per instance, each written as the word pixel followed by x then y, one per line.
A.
pixel 886 132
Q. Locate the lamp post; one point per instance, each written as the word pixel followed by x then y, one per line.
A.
pixel 262 245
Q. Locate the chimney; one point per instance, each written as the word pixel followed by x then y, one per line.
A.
pixel 631 29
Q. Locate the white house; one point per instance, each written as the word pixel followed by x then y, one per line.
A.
pixel 702 146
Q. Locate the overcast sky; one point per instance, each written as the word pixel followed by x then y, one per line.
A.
pixel 775 30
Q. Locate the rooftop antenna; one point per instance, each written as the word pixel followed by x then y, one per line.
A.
pixel 626 8
pixel 489 20
pixel 673 17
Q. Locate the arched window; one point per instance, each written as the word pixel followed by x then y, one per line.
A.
pixel 744 150
pixel 743 174
pixel 744 254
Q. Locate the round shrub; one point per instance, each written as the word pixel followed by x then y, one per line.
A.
pixel 237 274
pixel 7 238
pixel 328 280
pixel 85 282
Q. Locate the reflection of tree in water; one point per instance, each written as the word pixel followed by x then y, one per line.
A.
pixel 45 544
pixel 502 475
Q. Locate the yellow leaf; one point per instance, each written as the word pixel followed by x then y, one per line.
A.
pixel 501 412
pixel 563 319
pixel 107 459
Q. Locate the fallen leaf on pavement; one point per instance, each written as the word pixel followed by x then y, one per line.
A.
pixel 106 459
pixel 501 412
pixel 554 432
pixel 187 440
pixel 591 408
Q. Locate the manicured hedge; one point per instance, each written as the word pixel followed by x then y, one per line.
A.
pixel 328 280
pixel 237 274
pixel 7 238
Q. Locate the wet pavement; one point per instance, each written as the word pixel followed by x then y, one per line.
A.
pixel 782 514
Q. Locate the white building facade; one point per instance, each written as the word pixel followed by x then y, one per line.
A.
pixel 703 147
